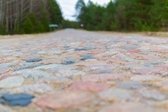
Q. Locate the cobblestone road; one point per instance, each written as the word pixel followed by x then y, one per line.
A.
pixel 80 71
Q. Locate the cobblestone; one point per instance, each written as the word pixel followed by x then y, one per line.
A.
pixel 80 71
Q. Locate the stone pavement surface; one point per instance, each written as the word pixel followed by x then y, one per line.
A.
pixel 80 71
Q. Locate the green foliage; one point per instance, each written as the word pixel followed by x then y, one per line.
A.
pixel 80 5
pixel 92 17
pixel 159 13
pixel 31 24
pixel 70 24
pixel 27 25
pixel 126 15
pixel 55 14
pixel 109 21
pixel 2 30
pixel 36 22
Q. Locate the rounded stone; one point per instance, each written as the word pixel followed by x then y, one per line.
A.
pixel 32 60
pixel 33 74
pixel 5 109
pixel 35 88
pixel 145 78
pixel 131 85
pixel 152 94
pixel 130 107
pixel 68 61
pixel 88 86
pixel 11 82
pixel 115 94
pixel 86 57
pixel 64 100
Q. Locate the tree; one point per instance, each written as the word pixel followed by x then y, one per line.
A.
pixel 27 26
pixel 91 16
pixel 2 30
pixel 109 20
pixel 79 5
pixel 133 14
pixel 127 15
pixel 159 14
pixel 55 13
pixel 38 19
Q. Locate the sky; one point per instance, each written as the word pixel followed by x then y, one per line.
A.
pixel 68 7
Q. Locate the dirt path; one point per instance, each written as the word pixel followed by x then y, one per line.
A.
pixel 80 71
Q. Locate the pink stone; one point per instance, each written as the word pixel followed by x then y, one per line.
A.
pixel 142 71
pixel 163 85
pixel 130 107
pixel 63 100
pixel 90 63
pixel 115 61
pixel 95 52
pixel 134 51
pixel 88 86
pixel 163 70
pixel 145 78
pixel 138 56
pixel 104 77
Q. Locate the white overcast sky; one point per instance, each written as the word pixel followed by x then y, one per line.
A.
pixel 68 7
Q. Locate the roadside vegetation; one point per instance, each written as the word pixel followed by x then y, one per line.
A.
pixel 37 23
pixel 117 15
pixel 124 15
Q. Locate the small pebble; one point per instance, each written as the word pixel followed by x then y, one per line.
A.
pixel 68 61
pixel 32 60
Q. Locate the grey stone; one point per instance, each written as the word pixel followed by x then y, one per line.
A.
pixel 152 94
pixel 86 57
pixel 86 48
pixel 61 71
pixel 34 88
pixel 33 74
pixel 54 67
pixel 145 78
pixel 26 66
pixel 100 69
pixel 70 73
pixel 130 46
pixel 130 107
pixel 11 82
pixel 4 67
pixel 116 94
pixel 5 109
pixel 31 60
pixel 68 61
pixel 131 85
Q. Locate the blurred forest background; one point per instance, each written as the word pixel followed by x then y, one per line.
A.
pixel 124 15
pixel 28 16
pixel 118 15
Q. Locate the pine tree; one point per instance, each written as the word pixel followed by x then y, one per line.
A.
pixel 55 13
pixel 27 26
pixel 159 14
pixel 80 5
